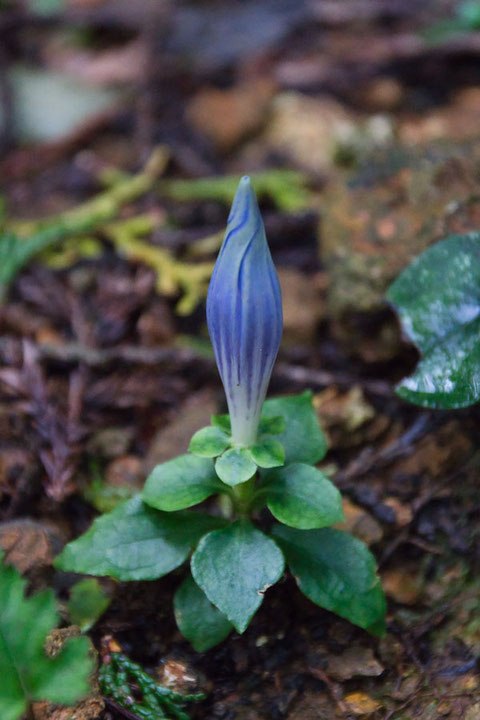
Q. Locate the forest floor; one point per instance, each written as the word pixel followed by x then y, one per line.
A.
pixel 105 365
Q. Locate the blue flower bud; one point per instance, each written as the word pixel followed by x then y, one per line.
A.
pixel 244 314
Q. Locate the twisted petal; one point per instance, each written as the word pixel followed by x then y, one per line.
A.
pixel 244 314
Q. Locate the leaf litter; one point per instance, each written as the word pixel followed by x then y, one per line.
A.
pixel 103 332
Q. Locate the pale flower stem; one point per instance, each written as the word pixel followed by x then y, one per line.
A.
pixel 243 495
pixel 226 505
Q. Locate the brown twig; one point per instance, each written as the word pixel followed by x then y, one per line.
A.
pixel 311 377
pixel 331 687
pixel 96 357
pixel 369 460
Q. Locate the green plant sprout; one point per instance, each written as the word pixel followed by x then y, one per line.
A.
pixel 438 301
pixel 275 508
pixel 119 674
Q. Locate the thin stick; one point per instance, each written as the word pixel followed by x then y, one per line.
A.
pixel 123 711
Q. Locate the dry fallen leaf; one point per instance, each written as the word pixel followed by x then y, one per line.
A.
pixel 175 437
pixel 27 545
pixel 353 662
pixel 473 713
pixel 360 523
pixel 302 306
pixel 361 704
pixel 227 116
pixel 401 585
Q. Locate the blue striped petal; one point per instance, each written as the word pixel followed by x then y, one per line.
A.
pixel 244 314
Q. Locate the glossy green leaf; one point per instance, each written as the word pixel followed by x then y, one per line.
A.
pixel 180 483
pixel 235 467
pixel 303 438
pixel 438 301
pixel 448 377
pixel 234 567
pixel 301 496
pixel 27 673
pixel 209 442
pixel 136 542
pixel 268 453
pixel 87 603
pixel 198 620
pixel 337 572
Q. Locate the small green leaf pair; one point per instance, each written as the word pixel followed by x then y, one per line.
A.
pixel 236 465
pixel 235 553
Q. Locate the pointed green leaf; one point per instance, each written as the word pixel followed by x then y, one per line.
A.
pixel 234 567
pixel 136 542
pixel 235 467
pixel 180 483
pixel 303 439
pixel 27 673
pixel 198 620
pixel 209 442
pixel 301 496
pixel 337 572
pixel 222 422
pixel 268 453
pixel 438 301
pixel 87 603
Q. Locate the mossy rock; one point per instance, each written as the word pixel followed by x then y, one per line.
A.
pixel 375 221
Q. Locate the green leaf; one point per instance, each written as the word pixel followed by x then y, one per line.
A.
pixel 222 422
pixel 337 572
pixel 87 603
pixel 136 542
pixel 235 467
pixel 268 453
pixel 104 497
pixel 272 425
pixel 180 483
pixel 27 673
pixel 303 438
pixel 198 620
pixel 448 377
pixel 16 252
pixel 234 567
pixel 438 301
pixel 301 496
pixel 209 442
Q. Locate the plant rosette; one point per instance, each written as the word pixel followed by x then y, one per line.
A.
pixel 261 455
